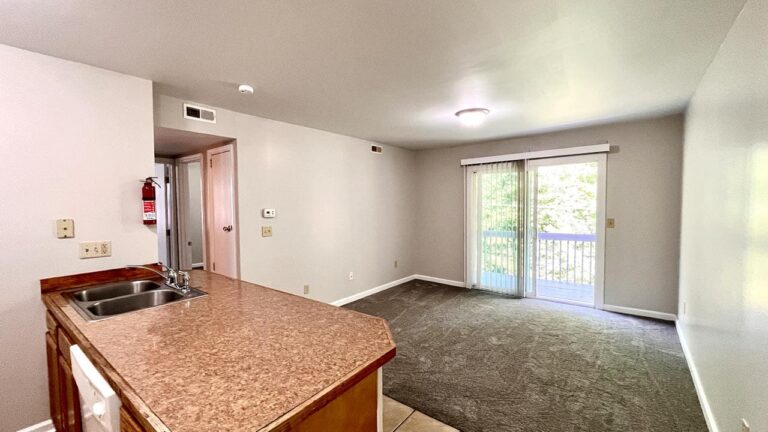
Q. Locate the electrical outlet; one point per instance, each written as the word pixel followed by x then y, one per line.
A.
pixel 395 263
pixel 744 425
pixel 306 289
pixel 95 249
pixel 351 276
pixel 65 228
pixel 266 231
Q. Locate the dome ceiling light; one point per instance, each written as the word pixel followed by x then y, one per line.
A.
pixel 472 117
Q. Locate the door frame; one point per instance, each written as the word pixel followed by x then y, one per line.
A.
pixel 601 159
pixel 170 216
pixel 182 204
pixel 231 147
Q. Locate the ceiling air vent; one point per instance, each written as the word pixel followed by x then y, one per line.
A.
pixel 376 149
pixel 194 112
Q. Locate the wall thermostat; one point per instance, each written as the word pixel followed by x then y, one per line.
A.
pixel 268 213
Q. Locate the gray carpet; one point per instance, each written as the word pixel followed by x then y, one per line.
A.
pixel 483 362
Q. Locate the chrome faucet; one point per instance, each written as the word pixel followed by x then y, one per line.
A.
pixel 176 279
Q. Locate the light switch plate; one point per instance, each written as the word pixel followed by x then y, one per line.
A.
pixel 96 249
pixel 610 223
pixel 65 228
pixel 268 213
pixel 266 231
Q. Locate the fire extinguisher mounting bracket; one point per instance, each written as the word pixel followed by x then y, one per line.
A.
pixel 150 180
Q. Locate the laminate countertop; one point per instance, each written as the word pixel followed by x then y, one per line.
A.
pixel 244 357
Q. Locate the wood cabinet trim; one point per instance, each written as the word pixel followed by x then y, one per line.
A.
pixel 50 322
pixel 64 342
pixel 54 387
pixel 128 423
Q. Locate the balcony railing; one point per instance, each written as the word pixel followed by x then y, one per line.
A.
pixel 565 263
pixel 568 258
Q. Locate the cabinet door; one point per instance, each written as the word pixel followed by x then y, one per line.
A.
pixel 54 392
pixel 70 398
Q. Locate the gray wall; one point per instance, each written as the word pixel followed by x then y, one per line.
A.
pixel 643 195
pixel 340 207
pixel 724 246
pixel 74 141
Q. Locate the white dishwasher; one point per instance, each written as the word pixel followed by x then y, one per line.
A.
pixel 99 405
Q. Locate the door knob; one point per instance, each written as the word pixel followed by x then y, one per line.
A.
pixel 227 228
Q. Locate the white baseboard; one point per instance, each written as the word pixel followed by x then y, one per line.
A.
pixel 440 280
pixel 44 426
pixel 371 291
pixel 388 285
pixel 640 312
pixel 708 415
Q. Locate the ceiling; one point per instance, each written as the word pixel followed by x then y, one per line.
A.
pixel 396 71
pixel 175 142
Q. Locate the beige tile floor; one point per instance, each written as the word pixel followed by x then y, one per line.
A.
pixel 402 418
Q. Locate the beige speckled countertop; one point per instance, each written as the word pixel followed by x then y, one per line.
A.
pixel 244 357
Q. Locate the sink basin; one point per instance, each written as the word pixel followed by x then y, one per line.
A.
pixel 105 301
pixel 118 289
pixel 135 302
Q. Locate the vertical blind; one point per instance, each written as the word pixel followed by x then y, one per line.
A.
pixel 493 226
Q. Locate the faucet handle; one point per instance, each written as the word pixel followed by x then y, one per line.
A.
pixel 183 280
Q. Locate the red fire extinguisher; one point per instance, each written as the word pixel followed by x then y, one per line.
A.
pixel 148 200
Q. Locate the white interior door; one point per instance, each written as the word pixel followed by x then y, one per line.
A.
pixel 566 229
pixel 222 229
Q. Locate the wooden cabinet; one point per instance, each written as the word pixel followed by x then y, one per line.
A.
pixel 62 388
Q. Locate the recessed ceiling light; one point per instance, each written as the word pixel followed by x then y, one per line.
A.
pixel 472 117
pixel 245 89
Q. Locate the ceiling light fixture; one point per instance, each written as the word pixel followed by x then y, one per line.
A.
pixel 245 89
pixel 472 117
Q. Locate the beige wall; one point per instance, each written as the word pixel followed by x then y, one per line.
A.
pixel 643 195
pixel 74 141
pixel 724 247
pixel 340 208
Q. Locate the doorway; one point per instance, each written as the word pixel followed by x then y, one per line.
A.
pixel 565 229
pixel 199 201
pixel 535 228
pixel 189 181
pixel 222 229
pixel 164 198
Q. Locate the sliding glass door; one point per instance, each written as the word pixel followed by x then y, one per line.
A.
pixel 534 228
pixel 565 235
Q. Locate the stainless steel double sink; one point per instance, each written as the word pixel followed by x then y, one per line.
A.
pixel 105 301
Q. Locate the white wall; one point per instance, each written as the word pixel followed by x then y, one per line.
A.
pixel 340 208
pixel 74 141
pixel 724 246
pixel 643 195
